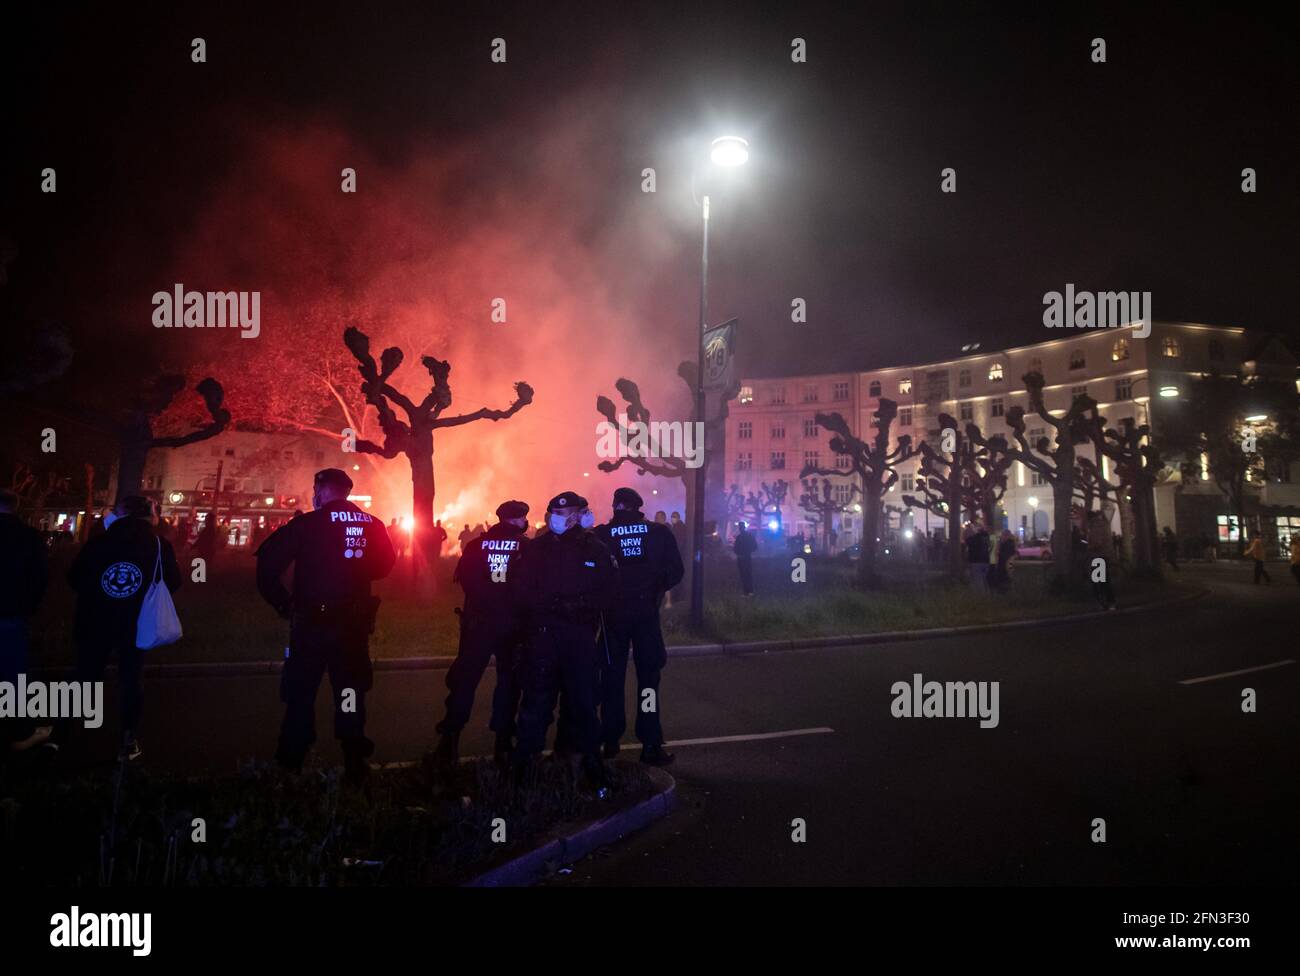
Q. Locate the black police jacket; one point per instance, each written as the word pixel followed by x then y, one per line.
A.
pixel 485 567
pixel 23 572
pixel 111 575
pixel 649 563
pixel 336 551
pixel 569 577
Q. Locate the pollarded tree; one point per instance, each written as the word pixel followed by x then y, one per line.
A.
pixel 822 506
pixel 133 428
pixel 758 507
pixel 985 464
pixel 939 482
pixel 874 464
pixel 1137 466
pixel 414 436
pixel 1053 460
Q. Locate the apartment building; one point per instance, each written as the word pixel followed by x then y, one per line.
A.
pixel 772 432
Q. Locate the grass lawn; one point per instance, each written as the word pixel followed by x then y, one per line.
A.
pixel 225 620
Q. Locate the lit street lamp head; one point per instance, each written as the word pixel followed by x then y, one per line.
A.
pixel 729 151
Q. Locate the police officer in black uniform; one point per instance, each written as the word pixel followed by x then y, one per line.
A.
pixel 649 565
pixel 337 550
pixel 490 626
pixel 565 580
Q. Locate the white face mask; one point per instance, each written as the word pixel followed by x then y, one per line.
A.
pixel 558 523
pixel 587 520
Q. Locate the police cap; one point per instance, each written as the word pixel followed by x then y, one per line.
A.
pixel 335 478
pixel 628 498
pixel 566 499
pixel 512 510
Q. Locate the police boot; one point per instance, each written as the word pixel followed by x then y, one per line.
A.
pixel 656 756
pixel 447 754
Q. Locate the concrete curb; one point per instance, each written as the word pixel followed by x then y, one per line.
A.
pixel 433 663
pixel 530 866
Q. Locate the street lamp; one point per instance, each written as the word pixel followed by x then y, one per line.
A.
pixel 728 152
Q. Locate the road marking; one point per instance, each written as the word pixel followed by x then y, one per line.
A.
pixel 1233 674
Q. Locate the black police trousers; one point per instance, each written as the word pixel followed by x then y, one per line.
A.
pixel 93 654
pixel 639 629
pixel 339 644
pixel 558 655
pixel 482 637
pixel 746 566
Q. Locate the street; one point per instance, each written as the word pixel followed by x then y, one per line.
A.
pixel 1094 723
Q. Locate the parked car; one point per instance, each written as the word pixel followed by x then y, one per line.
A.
pixel 1035 549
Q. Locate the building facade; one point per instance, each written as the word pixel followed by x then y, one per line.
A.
pixel 772 432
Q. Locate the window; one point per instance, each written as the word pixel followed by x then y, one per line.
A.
pixel 967 411
pixel 905 386
pixel 843 462
pixel 1288 527
pixel 1035 365
pixel 1228 528
pixel 810 428
pixel 1216 350
pixel 909 483
pixel 995 408
pixel 746 394
pixel 1035 433
pixel 995 373
pixel 810 393
pixel 778 395
pixel 811 459
pixel 840 391
pixel 1119 351
pixel 842 494
pixel 1036 479
pixel 963 378
pixel 1170 347
pixel 874 388
pixel 1124 388
pixel 230 452
pixel 745 430
pixel 1078 391
pixel 744 461
pixel 905 417
pixel 778 430
pixel 778 461
pixel 1077 359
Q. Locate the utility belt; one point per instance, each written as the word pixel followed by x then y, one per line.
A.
pixel 356 610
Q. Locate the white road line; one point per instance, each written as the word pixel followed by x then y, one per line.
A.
pixel 1233 674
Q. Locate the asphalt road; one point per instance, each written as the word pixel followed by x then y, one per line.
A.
pixel 1093 723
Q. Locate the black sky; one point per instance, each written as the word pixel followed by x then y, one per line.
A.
pixel 1117 176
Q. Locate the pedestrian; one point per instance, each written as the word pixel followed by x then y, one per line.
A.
pixel 565 579
pixel 1170 543
pixel 466 534
pixel 1000 575
pixel 1295 556
pixel 649 565
pixel 23 577
pixel 337 551
pixel 744 547
pixel 110 576
pixel 1256 552
pixel 491 626
pixel 438 538
pixel 977 554
pixel 1100 560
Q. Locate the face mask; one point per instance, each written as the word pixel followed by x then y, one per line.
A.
pixel 587 520
pixel 558 523
pixel 109 519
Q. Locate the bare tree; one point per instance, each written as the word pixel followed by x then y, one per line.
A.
pixel 1137 465
pixel 874 465
pixel 758 507
pixel 134 428
pixel 414 436
pixel 939 483
pixel 822 506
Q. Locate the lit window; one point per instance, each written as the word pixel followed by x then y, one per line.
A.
pixel 1119 351
pixel 905 386
pixel 995 373
pixel 1170 347
pixel 746 394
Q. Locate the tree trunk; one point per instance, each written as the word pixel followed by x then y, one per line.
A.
pixel 132 452
pixel 953 499
pixel 424 559
pixel 870 529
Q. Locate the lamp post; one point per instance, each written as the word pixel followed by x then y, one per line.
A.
pixel 726 151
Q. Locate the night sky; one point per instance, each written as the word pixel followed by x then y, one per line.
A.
pixel 1116 176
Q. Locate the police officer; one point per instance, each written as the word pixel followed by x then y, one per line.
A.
pixel 649 565
pixel 490 626
pixel 564 580
pixel 337 550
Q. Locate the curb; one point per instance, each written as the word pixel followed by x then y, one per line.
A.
pixel 530 866
pixel 438 662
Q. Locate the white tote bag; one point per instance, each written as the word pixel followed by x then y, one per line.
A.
pixel 158 623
